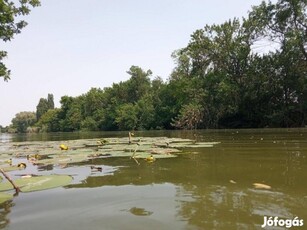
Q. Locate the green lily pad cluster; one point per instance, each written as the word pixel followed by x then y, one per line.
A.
pixel 37 183
pixel 65 153
pixel 51 153
pixel 5 197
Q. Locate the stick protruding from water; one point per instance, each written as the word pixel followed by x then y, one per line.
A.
pixel 17 189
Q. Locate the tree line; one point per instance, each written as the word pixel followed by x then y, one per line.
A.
pixel 219 81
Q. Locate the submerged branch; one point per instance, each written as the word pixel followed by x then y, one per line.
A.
pixel 17 189
pixel 133 155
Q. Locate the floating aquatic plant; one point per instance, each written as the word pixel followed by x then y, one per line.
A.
pixel 37 183
pixel 49 153
pixel 5 197
pixel 44 154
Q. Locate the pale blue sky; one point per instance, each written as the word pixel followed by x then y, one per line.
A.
pixel 70 46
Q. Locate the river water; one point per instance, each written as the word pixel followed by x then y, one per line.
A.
pixel 209 188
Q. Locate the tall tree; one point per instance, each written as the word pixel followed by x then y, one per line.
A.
pixel 70 113
pixel 10 25
pixel 138 84
pixel 23 120
pixel 126 117
pixel 190 116
pixel 49 121
pixel 50 101
pixel 41 108
pixel 213 71
pixel 44 105
pixel 285 22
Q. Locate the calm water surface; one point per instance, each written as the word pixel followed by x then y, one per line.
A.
pixel 209 188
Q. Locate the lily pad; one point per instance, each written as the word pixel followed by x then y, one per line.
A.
pixel 38 183
pixel 144 155
pixel 183 145
pixel 5 197
pixel 140 148
pixel 49 153
pixel 61 159
pixel 12 168
pixel 164 151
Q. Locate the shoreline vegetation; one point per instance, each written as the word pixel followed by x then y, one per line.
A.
pixel 228 76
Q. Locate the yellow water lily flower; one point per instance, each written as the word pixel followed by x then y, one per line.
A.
pixel 150 159
pixel 9 161
pixel 63 147
pixel 22 165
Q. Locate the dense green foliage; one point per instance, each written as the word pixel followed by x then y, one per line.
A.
pixel 23 121
pixel 44 105
pixel 9 26
pixel 219 81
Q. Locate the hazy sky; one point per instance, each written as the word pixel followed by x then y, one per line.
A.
pixel 70 46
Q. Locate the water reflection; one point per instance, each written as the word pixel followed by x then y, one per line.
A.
pixel 5 137
pixel 109 207
pixel 227 207
pixel 5 209
pixel 214 187
pixel 210 188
